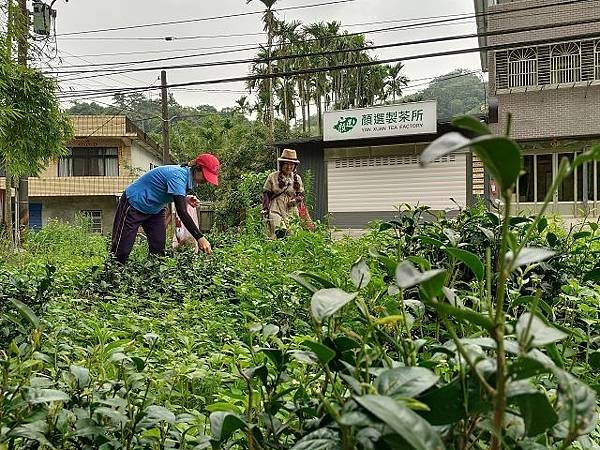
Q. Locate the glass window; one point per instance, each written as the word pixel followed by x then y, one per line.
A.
pixel 566 190
pixel 565 63
pixel 526 181
pixel 89 162
pixel 94 218
pixel 522 67
pixel 544 175
pixel 589 167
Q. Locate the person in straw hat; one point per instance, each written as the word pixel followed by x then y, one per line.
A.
pixel 283 192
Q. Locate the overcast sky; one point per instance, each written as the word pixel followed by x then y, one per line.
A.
pixel 79 15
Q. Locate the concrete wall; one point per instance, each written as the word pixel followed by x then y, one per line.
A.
pixel 565 112
pixel 554 111
pixel 66 208
pixel 538 17
pixel 141 158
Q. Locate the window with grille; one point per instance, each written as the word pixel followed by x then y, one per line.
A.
pixel 597 61
pixel 94 219
pixel 565 63
pixel 90 162
pixel 522 67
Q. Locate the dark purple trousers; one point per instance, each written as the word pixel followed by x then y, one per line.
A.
pixel 125 227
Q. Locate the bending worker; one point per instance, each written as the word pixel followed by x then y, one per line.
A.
pixel 144 204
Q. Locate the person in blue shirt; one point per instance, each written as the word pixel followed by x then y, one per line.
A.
pixel 143 204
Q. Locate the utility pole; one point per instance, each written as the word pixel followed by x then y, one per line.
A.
pixel 165 117
pixel 23 186
pixel 166 159
pixel 8 177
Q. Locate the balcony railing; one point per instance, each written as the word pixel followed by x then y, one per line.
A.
pixel 76 186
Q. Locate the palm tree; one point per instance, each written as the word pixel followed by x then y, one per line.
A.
pixel 395 81
pixel 243 105
pixel 269 21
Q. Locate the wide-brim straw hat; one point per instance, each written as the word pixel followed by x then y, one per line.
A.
pixel 288 155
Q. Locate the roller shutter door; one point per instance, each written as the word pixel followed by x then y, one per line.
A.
pixel 382 183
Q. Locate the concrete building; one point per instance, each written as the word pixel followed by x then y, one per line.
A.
pixel 549 80
pixel 106 154
pixel 366 165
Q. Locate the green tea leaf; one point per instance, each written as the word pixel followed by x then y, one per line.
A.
pixel 593 275
pixel 433 285
pixel 261 372
pixel 444 145
pixel 322 439
pixel 405 381
pixel 594 360
pixel 537 413
pixel 275 355
pixel 542 224
pixel 270 330
pixel 577 403
pixel 501 156
pixel 324 353
pixel 360 274
pixel 82 375
pixel 581 235
pixel 415 430
pixel 529 255
pixel 470 260
pixel 34 431
pixel 26 312
pixel 591 155
pixel 327 302
pixel 407 275
pixel 34 396
pixel 224 423
pixel 539 333
pixel 552 239
pixel 471 123
pixel 157 413
pixel 421 262
pixel 465 314
pixel 301 281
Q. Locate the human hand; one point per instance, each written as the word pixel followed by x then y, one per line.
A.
pixel 193 201
pixel 204 245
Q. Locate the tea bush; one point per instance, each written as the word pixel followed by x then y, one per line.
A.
pixel 476 331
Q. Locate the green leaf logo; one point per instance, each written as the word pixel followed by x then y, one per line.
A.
pixel 345 124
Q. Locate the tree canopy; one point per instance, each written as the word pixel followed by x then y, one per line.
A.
pixel 33 128
pixel 457 92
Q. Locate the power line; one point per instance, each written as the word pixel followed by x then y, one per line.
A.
pixel 367 63
pixel 203 19
pixel 423 82
pixel 447 18
pixel 335 51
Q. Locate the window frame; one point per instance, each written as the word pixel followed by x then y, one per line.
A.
pixel 557 59
pixel 520 61
pixel 102 155
pixel 94 217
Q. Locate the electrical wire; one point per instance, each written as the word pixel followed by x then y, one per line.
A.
pixel 204 19
pixel 448 18
pixel 335 51
pixel 314 70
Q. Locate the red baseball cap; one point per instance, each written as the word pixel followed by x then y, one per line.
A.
pixel 210 167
